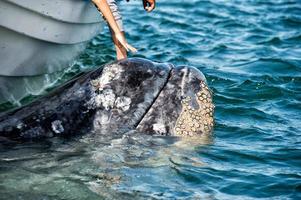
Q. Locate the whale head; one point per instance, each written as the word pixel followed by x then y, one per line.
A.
pixel 132 94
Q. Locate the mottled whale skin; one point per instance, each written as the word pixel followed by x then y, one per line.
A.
pixel 132 94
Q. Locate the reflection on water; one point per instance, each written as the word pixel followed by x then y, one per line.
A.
pixel 93 166
pixel 250 53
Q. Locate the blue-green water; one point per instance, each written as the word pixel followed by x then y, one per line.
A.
pixel 250 52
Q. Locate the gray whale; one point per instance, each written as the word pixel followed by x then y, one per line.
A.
pixel 132 94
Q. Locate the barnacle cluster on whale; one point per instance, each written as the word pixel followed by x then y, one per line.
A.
pixel 196 121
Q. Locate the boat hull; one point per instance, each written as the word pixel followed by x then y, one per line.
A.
pixel 26 56
pixel 32 46
pixel 38 38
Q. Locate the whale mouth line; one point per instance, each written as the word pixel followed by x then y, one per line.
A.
pixel 158 94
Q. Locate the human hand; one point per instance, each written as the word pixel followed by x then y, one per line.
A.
pixel 121 39
pixel 149 5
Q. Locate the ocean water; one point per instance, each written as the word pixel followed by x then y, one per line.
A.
pixel 250 52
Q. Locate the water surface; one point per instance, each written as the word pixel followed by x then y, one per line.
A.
pixel 250 53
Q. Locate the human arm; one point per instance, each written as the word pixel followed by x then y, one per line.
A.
pixel 104 8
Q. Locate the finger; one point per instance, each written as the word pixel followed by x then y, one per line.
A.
pixel 151 7
pixel 131 48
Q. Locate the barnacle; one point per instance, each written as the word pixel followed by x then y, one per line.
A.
pixel 196 121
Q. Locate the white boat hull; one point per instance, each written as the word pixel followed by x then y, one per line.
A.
pixel 39 37
pixel 36 36
pixel 26 56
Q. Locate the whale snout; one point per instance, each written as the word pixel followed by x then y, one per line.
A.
pixel 183 107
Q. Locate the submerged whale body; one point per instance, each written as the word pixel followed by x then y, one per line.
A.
pixel 133 94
